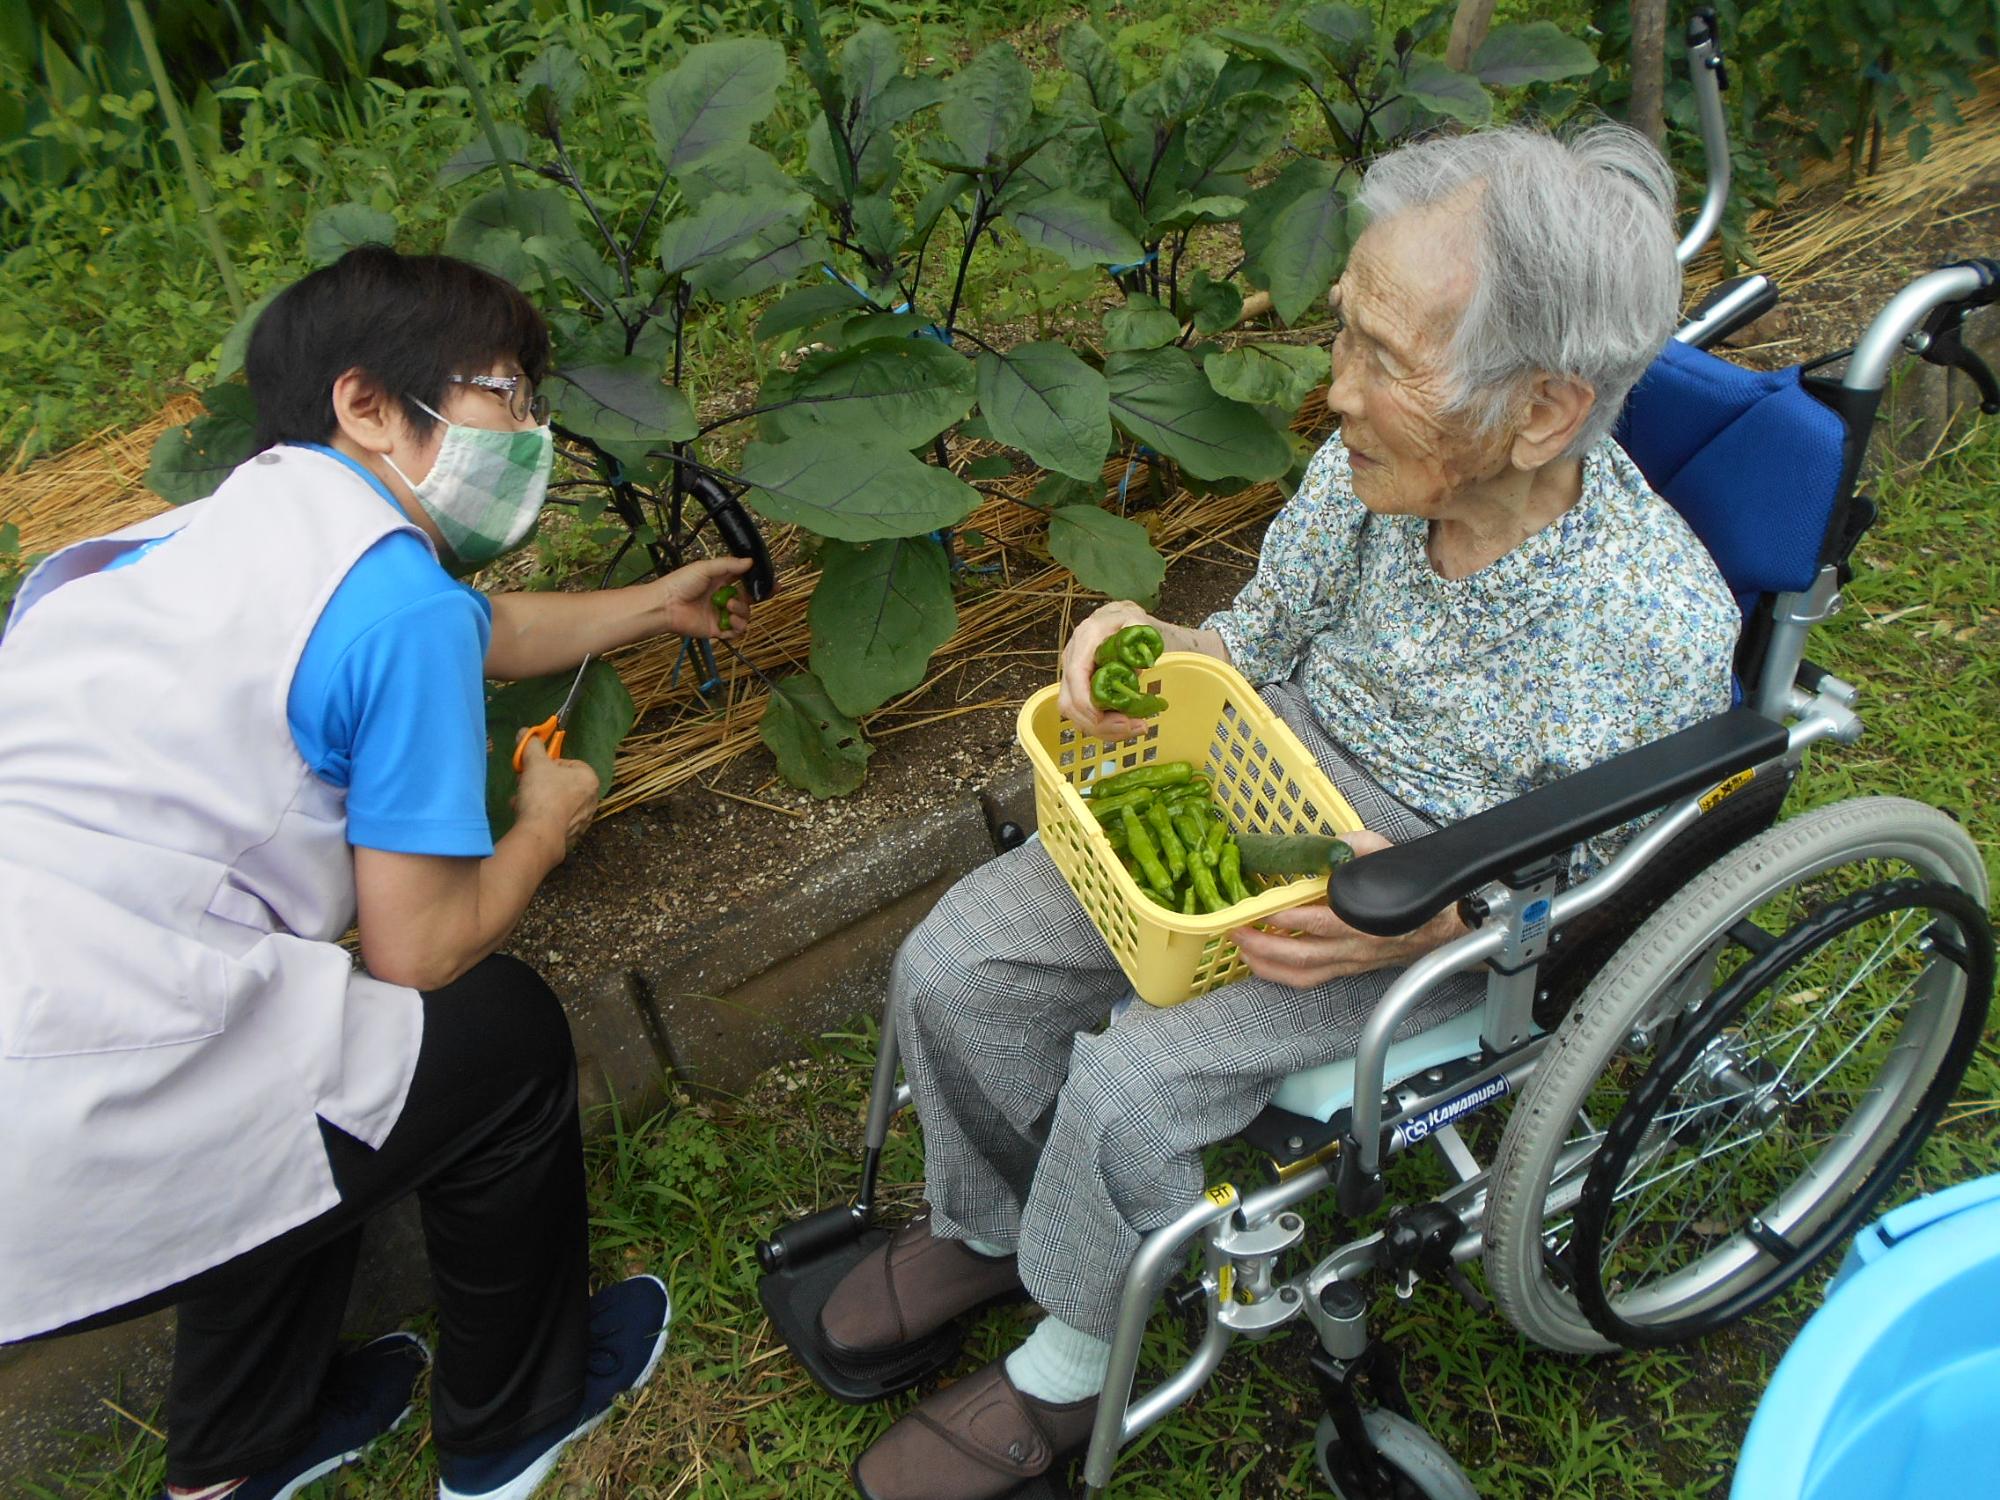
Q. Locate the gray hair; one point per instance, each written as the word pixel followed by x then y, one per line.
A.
pixel 1573 253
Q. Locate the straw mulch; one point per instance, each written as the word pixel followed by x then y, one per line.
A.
pixel 95 487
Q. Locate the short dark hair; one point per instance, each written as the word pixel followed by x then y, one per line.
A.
pixel 410 321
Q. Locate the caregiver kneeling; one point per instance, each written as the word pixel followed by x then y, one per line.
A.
pixel 226 734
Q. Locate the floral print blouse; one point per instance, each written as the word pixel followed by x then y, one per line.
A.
pixel 1608 629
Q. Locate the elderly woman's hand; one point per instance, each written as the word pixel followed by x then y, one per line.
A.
pixel 1309 945
pixel 1079 660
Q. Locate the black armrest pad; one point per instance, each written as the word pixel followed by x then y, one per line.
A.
pixel 1403 887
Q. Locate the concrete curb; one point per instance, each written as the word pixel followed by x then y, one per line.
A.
pixel 733 997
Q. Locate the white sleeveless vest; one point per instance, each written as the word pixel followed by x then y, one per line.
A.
pixel 174 1008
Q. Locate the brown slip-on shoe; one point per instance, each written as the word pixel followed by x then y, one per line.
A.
pixel 974 1440
pixel 909 1288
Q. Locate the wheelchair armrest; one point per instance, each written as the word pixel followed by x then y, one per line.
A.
pixel 1402 887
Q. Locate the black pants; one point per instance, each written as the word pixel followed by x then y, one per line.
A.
pixel 488 1140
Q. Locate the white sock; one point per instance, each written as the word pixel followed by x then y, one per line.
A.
pixel 1059 1364
pixel 987 1248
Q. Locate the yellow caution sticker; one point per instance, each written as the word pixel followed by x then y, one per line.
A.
pixel 1222 1195
pixel 1225 1279
pixel 1728 788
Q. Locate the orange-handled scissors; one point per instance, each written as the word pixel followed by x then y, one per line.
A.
pixel 552 730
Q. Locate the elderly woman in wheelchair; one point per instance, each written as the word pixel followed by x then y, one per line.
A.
pixel 1507 652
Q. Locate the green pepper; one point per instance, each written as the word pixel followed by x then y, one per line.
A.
pixel 1161 774
pixel 1212 841
pixel 1107 809
pixel 1143 851
pixel 1168 841
pixel 1188 826
pixel 1229 871
pixel 1205 889
pixel 1187 902
pixel 720 602
pixel 1116 687
pixel 1136 646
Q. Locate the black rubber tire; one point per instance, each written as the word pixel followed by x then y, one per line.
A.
pixel 1715 1098
pixel 1543 1158
pixel 1419 1460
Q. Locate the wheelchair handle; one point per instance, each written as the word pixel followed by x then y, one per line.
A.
pixel 1709 79
pixel 1971 283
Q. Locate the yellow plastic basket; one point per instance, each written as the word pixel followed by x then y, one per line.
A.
pixel 1264 780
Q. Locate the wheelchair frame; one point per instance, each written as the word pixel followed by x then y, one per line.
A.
pixel 1504 868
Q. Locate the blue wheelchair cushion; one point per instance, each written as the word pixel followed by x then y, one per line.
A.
pixel 1749 458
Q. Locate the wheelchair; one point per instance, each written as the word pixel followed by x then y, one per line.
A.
pixel 1721 1048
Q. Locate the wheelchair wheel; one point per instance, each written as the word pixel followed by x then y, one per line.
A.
pixel 1419 1468
pixel 1660 988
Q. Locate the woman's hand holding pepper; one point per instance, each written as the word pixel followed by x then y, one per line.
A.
pixel 1079 662
pixel 1312 945
pixel 683 596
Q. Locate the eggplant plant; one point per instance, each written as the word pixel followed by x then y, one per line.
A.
pixel 1182 188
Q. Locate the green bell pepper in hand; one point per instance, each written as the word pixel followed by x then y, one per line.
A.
pixel 1136 646
pixel 1116 687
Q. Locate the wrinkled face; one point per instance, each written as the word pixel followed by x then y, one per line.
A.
pixel 1407 283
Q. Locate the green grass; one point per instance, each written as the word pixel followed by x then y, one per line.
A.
pixel 688 1193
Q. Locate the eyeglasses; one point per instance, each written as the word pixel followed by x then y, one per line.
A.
pixel 523 400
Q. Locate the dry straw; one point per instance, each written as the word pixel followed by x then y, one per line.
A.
pixel 95 487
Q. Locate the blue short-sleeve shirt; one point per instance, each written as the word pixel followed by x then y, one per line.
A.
pixel 389 697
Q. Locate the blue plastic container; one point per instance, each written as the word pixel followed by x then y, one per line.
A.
pixel 1892 1389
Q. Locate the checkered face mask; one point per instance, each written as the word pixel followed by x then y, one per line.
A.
pixel 486 488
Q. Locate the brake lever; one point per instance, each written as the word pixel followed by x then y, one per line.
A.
pixel 1942 342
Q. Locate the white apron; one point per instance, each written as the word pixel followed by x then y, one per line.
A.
pixel 174 1009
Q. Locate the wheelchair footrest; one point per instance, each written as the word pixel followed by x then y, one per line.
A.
pixel 793 1296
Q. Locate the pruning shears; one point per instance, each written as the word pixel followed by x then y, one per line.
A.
pixel 552 729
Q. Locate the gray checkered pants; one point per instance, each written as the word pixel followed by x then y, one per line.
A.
pixel 1070 1143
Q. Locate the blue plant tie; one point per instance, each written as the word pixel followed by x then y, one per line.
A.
pixel 1141 452
pixel 1145 260
pixel 708 661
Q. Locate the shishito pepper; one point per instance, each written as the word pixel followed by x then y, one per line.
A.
pixel 1156 777
pixel 1140 843
pixel 1136 646
pixel 1205 890
pixel 1171 851
pixel 719 601
pixel 1116 687
pixel 1188 826
pixel 1229 873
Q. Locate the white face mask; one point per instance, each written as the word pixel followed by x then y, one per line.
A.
pixel 486 488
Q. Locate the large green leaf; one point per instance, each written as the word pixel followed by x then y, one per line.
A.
pixel 1214 305
pixel 188 462
pixel 598 720
pixel 880 610
pixel 579 262
pixel 1298 248
pixel 549 86
pixel 1095 68
pixel 477 156
pixel 1268 374
pixel 1106 552
pixel 1162 399
pixel 335 231
pixel 1079 229
pixel 1235 136
pixel 818 748
pixel 738 168
pixel 987 107
pixel 1143 324
pixel 1446 92
pixel 901 391
pixel 1531 52
pixel 236 343
pixel 1269 49
pixel 621 400
pixel 809 307
pixel 725 224
pixel 852 488
pixel 1343 33
pixel 719 91
pixel 1045 401
pixel 767 266
pixel 524 213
